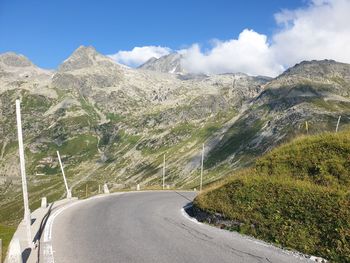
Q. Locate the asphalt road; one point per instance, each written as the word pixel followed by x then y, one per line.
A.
pixel 149 227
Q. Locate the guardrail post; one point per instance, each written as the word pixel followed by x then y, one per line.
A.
pixel 15 253
pixel 43 203
pixel 105 189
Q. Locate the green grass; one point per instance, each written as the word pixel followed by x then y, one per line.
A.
pixel 114 117
pixel 236 136
pixel 84 144
pixel 296 196
pixel 37 103
pixel 11 212
pixel 323 159
pixel 6 233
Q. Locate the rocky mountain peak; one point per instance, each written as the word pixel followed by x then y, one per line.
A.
pixel 317 68
pixel 167 64
pixel 12 59
pixel 83 57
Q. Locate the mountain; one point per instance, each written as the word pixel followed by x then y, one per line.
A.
pixel 314 91
pixel 113 124
pixel 167 64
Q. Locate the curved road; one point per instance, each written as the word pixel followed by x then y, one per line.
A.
pixel 149 227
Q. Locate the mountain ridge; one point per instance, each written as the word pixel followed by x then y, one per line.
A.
pixel 113 124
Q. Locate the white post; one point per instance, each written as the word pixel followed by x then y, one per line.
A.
pixel 138 187
pixel 27 218
pixel 336 129
pixel 307 127
pixel 105 189
pixel 163 171
pixel 201 181
pixel 99 189
pixel 43 202
pixel 64 176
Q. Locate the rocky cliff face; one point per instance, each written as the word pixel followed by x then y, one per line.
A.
pixel 167 64
pixel 114 124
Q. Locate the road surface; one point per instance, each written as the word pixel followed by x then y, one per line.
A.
pixel 149 227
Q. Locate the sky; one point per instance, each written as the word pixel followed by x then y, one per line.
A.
pixel 252 36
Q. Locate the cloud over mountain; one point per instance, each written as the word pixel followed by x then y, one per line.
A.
pixel 139 55
pixel 250 53
pixel 318 31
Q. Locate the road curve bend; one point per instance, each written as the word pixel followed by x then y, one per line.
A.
pixel 149 227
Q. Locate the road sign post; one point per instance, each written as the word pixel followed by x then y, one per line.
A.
pixel 69 195
pixel 27 217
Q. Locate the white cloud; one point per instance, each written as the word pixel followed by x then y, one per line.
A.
pixel 139 55
pixel 320 30
pixel 250 53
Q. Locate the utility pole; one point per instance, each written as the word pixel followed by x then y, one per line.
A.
pixel 201 182
pixel 163 171
pixel 27 217
pixel 69 195
pixel 336 129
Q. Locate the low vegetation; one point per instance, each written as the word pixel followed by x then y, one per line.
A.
pixel 6 233
pixel 296 196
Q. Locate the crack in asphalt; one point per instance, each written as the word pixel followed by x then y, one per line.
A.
pixel 204 237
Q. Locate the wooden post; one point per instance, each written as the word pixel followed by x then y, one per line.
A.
pixel 27 217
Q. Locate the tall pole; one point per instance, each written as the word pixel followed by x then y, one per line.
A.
pixel 163 171
pixel 201 182
pixel 64 176
pixel 23 173
pixel 336 129
pixel 307 127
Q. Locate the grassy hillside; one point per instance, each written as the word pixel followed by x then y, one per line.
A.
pixel 296 196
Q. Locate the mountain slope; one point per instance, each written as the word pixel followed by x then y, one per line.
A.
pixel 110 120
pixel 167 64
pixel 319 94
pixel 113 124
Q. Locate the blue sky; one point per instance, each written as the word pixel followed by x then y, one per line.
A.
pixel 49 31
